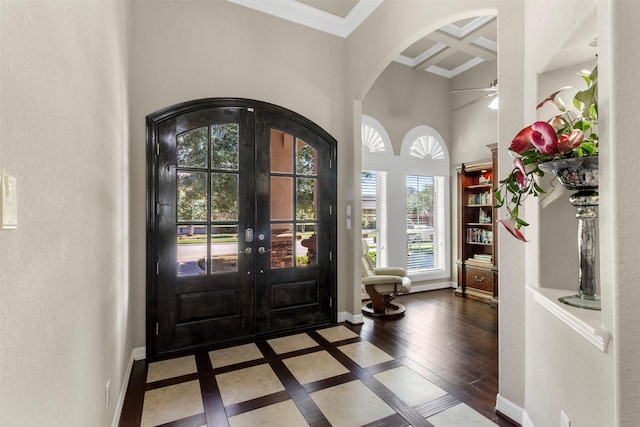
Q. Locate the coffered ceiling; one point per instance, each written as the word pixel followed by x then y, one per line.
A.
pixel 447 52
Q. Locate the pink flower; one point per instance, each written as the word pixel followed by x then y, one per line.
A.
pixel 522 141
pixel 540 135
pixel 571 141
pixel 521 174
pixel 510 225
pixel 553 98
pixel 544 138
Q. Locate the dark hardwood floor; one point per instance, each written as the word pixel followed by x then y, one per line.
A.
pixel 451 341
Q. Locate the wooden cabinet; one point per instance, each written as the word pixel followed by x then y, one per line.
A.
pixel 477 234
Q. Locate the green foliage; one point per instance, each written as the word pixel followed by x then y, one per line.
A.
pixel 192 151
pixel 372 257
pixel 420 200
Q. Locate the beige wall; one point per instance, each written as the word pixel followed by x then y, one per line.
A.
pixel 403 98
pixel 64 287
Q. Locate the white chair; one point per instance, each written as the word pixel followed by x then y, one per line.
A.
pixel 382 285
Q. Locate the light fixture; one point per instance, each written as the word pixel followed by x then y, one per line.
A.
pixel 494 104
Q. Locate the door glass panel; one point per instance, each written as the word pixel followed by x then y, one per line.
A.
pixel 305 159
pixel 281 245
pixel 192 196
pixel 281 152
pixel 192 250
pixel 192 148
pixel 306 199
pixel 281 198
pixel 224 197
pixel 306 245
pixel 224 146
pixel 224 248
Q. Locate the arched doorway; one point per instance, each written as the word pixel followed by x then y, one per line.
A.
pixel 240 228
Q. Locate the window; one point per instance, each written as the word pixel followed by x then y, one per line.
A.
pixel 425 223
pixel 374 220
pixel 405 200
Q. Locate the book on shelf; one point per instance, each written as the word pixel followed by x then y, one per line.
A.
pixel 480 260
pixel 479 263
pixel 479 198
pixel 478 235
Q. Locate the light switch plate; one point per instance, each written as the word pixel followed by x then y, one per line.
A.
pixel 9 202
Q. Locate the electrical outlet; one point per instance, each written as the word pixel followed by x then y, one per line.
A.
pixel 564 420
pixel 107 395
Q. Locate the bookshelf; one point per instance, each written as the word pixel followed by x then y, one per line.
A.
pixel 477 245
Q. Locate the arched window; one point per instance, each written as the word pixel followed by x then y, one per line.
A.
pixel 424 143
pixel 376 145
pixel 427 200
pixel 374 137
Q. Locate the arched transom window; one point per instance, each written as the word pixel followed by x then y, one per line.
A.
pixel 424 143
pixel 374 138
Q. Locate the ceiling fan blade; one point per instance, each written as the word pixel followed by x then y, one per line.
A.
pixel 475 89
pixel 468 104
pixel 493 87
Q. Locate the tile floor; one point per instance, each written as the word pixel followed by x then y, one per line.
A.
pixel 324 377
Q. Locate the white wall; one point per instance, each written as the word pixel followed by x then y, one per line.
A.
pixel 619 204
pixel 476 126
pixel 64 289
pixel 565 372
pixel 185 50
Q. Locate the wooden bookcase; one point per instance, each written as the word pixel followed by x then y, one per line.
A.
pixel 477 234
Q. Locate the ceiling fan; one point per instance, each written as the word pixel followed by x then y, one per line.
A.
pixel 491 91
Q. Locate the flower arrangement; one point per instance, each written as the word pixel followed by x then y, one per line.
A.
pixel 565 135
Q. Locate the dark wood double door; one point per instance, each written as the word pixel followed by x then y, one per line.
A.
pixel 241 224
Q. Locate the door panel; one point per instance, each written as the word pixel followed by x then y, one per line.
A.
pixel 293 282
pixel 205 291
pixel 241 230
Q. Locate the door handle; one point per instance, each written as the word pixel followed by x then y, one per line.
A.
pixel 262 250
pixel 247 251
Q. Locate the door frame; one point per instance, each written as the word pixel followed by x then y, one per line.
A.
pixel 152 140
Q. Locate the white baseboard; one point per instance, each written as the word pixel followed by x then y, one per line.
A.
pixel 351 318
pixel 433 287
pixel 139 353
pixel 510 409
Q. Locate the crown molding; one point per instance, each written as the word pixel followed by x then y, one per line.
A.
pixel 311 17
pixel 459 69
pixel 461 32
pixel 486 43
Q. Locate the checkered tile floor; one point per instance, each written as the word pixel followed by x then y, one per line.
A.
pixel 328 377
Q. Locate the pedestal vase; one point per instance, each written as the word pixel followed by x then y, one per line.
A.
pixel 581 175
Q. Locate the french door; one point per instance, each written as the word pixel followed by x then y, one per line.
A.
pixel 241 225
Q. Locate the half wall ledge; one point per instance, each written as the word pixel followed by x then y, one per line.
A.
pixel 587 323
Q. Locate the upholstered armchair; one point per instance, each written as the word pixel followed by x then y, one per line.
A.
pixel 382 285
